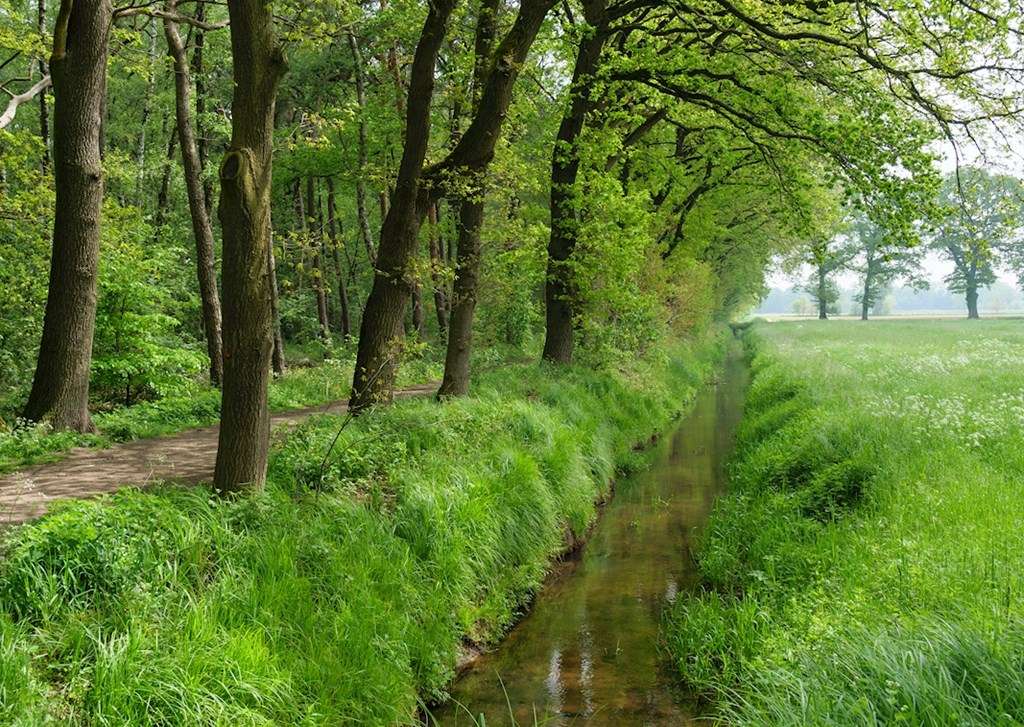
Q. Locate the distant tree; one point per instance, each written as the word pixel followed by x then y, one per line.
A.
pixel 802 307
pixel 826 257
pixel 880 264
pixel 978 229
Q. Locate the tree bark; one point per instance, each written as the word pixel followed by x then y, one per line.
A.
pixel 865 303
pixel 316 241
pixel 245 175
pixel 559 293
pixel 78 65
pixel 332 231
pixel 382 317
pixel 202 230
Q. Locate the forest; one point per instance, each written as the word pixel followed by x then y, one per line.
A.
pixel 354 353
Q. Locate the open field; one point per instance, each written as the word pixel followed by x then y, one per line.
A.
pixel 867 566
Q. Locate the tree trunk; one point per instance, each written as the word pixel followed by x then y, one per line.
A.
pixel 418 319
pixel 316 241
pixel 972 302
pixel 201 227
pixel 362 213
pixel 460 332
pixel 44 115
pixel 245 175
pixel 382 318
pixel 60 387
pixel 493 81
pixel 199 76
pixel 865 303
pixel 332 231
pixel 822 296
pixel 436 263
pixel 277 358
pixel 559 293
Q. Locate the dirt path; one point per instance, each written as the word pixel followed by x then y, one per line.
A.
pixel 186 457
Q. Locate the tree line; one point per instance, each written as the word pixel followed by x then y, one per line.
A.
pixel 975 224
pixel 602 173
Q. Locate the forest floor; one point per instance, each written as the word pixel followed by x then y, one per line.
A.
pixel 186 457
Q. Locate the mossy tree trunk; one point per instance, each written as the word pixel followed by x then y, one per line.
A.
pixel 245 176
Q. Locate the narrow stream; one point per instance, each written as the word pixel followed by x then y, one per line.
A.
pixel 587 652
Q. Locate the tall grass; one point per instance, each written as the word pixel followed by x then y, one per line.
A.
pixel 343 593
pixel 867 566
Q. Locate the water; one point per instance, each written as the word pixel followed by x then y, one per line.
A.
pixel 587 652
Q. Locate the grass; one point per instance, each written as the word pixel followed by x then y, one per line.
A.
pixel 342 594
pixel 198 405
pixel 867 566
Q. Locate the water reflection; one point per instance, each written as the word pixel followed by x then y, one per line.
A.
pixel 587 653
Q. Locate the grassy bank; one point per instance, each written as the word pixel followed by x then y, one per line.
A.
pixel 342 594
pixel 196 405
pixel 867 566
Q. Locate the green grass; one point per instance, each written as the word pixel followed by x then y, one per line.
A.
pixel 867 566
pixel 197 406
pixel 342 594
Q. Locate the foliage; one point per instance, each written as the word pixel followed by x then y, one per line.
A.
pixel 341 593
pixel 864 569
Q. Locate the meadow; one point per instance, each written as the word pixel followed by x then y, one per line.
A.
pixel 867 566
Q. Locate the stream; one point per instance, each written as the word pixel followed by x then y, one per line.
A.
pixel 587 651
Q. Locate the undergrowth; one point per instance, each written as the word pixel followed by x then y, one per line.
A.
pixel 867 565
pixel 341 594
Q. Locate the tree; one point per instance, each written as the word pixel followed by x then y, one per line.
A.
pixel 880 264
pixel 382 317
pixel 78 65
pixel 979 218
pixel 192 165
pixel 245 176
pixel 826 257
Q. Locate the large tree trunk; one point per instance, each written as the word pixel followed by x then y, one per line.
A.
pixel 559 293
pixel 822 296
pixel 245 176
pixel 332 231
pixel 362 213
pixel 865 303
pixel 201 227
pixel 494 77
pixel 60 388
pixel 382 318
pixel 316 241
